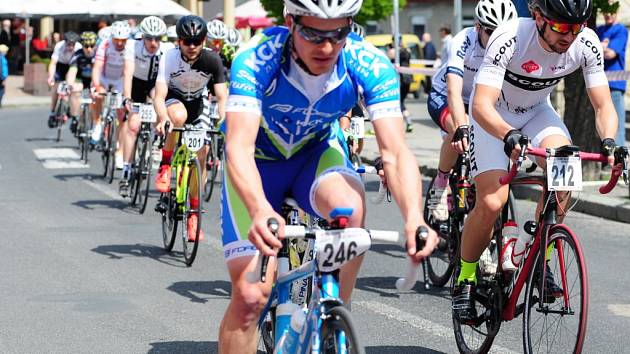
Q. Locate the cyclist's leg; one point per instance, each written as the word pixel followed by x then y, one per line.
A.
pixel 238 327
pixel 129 130
pixel 328 181
pixel 177 114
pixel 98 110
pixel 75 105
pixel 198 116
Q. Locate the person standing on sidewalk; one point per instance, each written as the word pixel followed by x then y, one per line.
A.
pixel 4 69
pixel 405 79
pixel 614 38
pixel 428 53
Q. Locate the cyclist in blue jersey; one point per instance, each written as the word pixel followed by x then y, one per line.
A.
pixel 287 92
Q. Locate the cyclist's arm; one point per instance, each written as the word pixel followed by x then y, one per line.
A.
pixel 52 67
pixel 455 84
pixel 72 74
pixel 486 114
pixel 159 101
pixel 97 68
pixel 606 120
pixel 128 70
pixel 221 94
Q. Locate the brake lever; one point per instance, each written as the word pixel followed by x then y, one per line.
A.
pixel 273 226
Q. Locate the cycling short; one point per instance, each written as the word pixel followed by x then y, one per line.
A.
pixel 61 70
pixel 486 151
pixel 297 177
pixel 116 85
pixel 140 90
pixel 438 108
pixel 196 110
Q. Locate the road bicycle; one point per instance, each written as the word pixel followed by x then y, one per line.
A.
pixel 174 206
pixel 214 158
pixel 62 107
pixel 327 325
pixel 555 321
pixel 84 127
pixel 139 182
pixel 113 101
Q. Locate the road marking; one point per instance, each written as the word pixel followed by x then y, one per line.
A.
pixel 59 158
pixel 420 323
pixel 622 310
pixel 105 190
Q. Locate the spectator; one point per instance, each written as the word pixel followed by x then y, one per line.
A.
pixel 55 38
pixel 405 79
pixel 4 69
pixel 5 33
pixel 614 37
pixel 428 53
pixel 445 34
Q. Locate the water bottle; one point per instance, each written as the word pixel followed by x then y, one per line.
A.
pixel 510 236
pixel 290 340
pixel 520 246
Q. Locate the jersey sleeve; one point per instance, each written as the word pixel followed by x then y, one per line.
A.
pixel 57 50
pixel 460 44
pixel 75 58
pixel 375 73
pixel 161 76
pixel 247 83
pixel 500 50
pixel 218 70
pixel 100 51
pixel 592 59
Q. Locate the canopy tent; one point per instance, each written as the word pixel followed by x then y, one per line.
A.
pixel 251 14
pixel 41 8
pixel 93 8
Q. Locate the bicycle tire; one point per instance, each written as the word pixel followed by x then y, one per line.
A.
pixel 112 150
pixel 169 220
pixel 144 178
pixel 559 236
pixel 135 168
pixel 339 319
pixel 212 168
pixel 83 134
pixel 439 273
pixel 267 333
pixel 190 247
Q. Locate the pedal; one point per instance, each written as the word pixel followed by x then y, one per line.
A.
pixel 530 227
pixel 160 207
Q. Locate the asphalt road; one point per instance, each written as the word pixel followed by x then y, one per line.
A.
pixel 82 272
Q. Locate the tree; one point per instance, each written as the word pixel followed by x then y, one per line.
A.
pixel 371 10
pixel 579 116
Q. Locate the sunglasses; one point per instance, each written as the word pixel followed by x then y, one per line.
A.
pixel 88 46
pixel 189 42
pixel 316 36
pixel 565 28
pixel 487 30
pixel 152 38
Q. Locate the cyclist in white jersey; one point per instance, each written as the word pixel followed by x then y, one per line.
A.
pixel 58 68
pixel 140 72
pixel 451 87
pixel 108 72
pixel 524 61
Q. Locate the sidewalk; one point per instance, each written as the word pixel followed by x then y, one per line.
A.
pixel 425 143
pixel 15 96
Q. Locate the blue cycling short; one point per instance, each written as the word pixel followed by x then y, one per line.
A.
pixel 437 104
pixel 297 177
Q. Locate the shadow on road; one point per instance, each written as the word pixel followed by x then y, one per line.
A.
pixel 184 347
pixel 393 251
pixel 386 287
pixel 139 250
pixel 75 176
pixel 202 291
pixel 109 203
pixel 398 349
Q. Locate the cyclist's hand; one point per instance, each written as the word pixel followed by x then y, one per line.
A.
pixel 461 139
pixel 160 128
pixel 512 140
pixel 127 102
pixel 51 81
pixel 260 235
pixel 378 165
pixel 608 148
pixel 431 242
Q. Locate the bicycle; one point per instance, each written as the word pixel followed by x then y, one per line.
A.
pixel 62 107
pixel 355 137
pixel 84 127
pixel 461 200
pixel 174 206
pixel 109 144
pixel 553 250
pixel 215 152
pixel 141 168
pixel 328 326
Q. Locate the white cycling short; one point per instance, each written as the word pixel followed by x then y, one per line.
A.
pixel 115 84
pixel 486 151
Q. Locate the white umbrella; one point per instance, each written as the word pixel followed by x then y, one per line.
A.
pixel 161 8
pixel 40 8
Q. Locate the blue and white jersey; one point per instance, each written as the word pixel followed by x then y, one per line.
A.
pixel 293 118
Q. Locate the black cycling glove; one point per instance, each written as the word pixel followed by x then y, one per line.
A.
pixel 462 132
pixel 378 164
pixel 511 140
pixel 608 146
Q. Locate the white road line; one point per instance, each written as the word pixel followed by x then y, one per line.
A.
pixel 420 323
pixel 105 190
pixel 57 158
pixel 622 310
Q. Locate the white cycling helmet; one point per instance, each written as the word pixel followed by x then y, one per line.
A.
pixel 323 8
pixel 153 26
pixel 492 13
pixel 358 29
pixel 120 30
pixel 233 38
pixel 217 30
pixel 171 32
pixel 104 33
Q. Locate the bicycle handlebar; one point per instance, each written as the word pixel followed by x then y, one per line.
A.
pixel 585 156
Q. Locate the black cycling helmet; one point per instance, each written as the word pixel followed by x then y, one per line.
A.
pixel 565 11
pixel 71 37
pixel 191 28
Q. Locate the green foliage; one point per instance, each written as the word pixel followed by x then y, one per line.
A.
pixel 605 6
pixel 372 10
pixel 37 59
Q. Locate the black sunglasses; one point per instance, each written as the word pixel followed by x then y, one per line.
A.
pixel 189 42
pixel 316 36
pixel 488 31
pixel 88 46
pixel 152 38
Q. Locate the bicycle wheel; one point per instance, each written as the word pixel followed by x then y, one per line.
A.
pixel 190 247
pixel 267 332
pixel 60 111
pixel 105 155
pixel 169 219
pixel 112 151
pixel 441 262
pixel 83 134
pixel 338 322
pixel 143 181
pixel 560 324
pixel 212 167
pixel 136 168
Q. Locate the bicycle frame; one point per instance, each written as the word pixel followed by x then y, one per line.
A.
pixel 181 157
